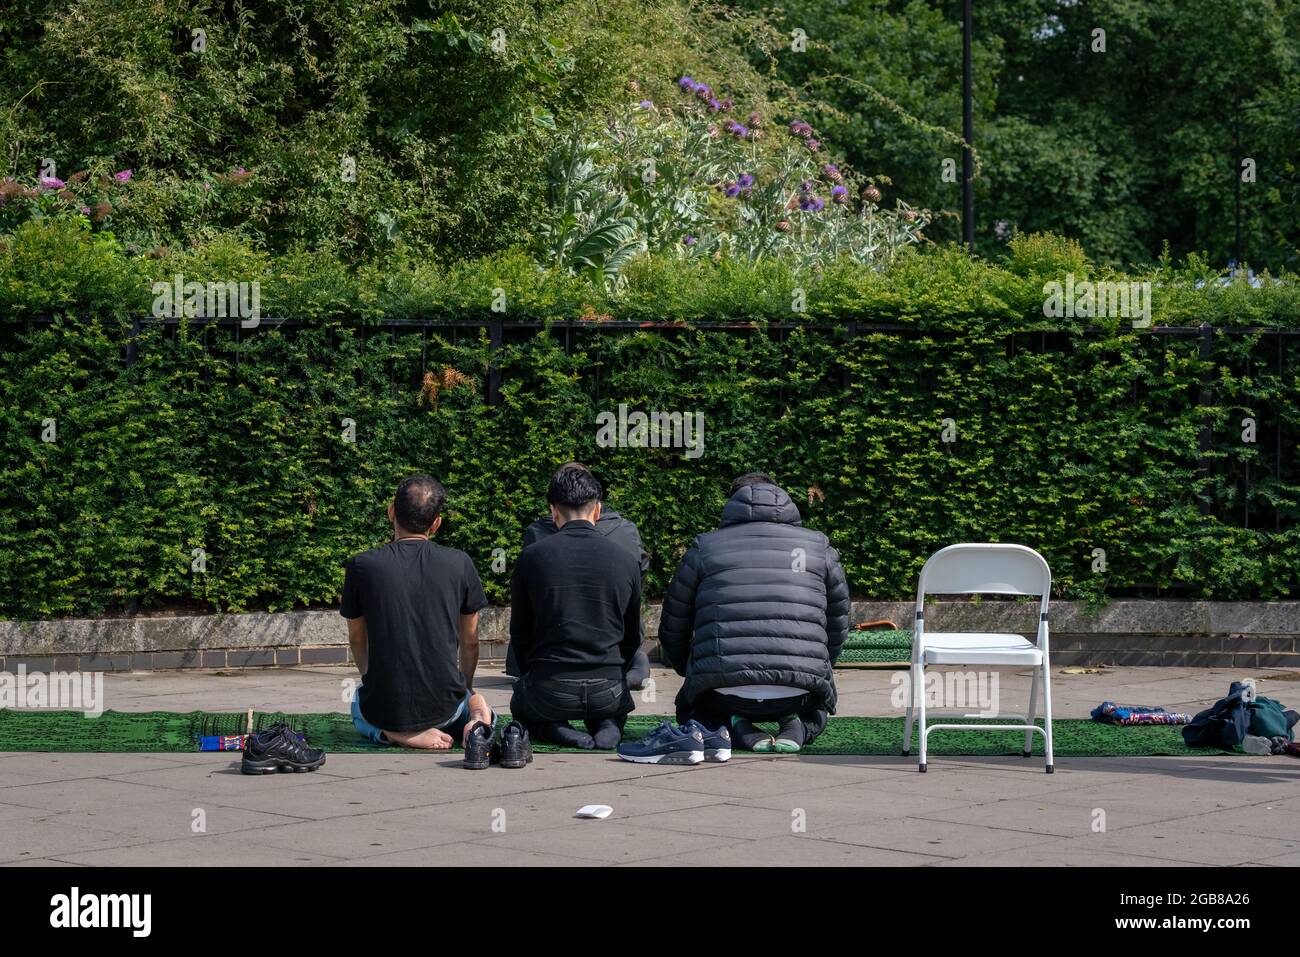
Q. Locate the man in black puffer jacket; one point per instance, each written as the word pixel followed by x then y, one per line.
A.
pixel 754 619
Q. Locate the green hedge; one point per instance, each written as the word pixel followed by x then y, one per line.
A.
pixel 1067 439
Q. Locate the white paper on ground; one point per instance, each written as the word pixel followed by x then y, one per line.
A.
pixel 595 810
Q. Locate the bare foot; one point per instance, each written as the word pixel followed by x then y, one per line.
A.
pixel 431 739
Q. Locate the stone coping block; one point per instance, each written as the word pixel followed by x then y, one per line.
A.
pixel 1214 626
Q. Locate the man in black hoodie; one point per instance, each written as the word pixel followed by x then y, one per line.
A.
pixel 575 622
pixel 755 618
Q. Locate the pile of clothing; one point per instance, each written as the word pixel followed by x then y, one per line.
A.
pixel 1111 713
pixel 1244 720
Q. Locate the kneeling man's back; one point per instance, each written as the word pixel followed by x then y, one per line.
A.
pixel 756 615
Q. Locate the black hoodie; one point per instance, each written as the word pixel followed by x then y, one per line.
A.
pixel 762 600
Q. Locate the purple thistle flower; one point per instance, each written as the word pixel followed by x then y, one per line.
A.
pixel 122 176
pixel 647 105
pixel 756 118
pixel 813 144
pixel 688 241
pixel 839 194
pixel 832 173
pixel 714 105
pixel 732 190
pixel 687 84
pixel 806 186
pixel 800 128
pixel 812 204
pixel 727 104
pixel 746 180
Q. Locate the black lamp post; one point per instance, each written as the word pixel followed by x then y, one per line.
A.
pixel 968 134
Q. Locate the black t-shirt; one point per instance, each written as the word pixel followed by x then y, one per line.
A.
pixel 412 593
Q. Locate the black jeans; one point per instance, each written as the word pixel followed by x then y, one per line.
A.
pixel 637 673
pixel 715 710
pixel 545 699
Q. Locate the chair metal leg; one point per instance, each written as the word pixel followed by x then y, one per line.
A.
pixel 919 691
pixel 1047 713
pixel 907 724
pixel 1033 711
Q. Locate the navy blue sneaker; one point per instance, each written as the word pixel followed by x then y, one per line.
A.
pixel 665 745
pixel 717 744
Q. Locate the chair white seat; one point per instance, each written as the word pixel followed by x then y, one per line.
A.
pixel 955 648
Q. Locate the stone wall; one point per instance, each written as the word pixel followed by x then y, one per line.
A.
pixel 1124 632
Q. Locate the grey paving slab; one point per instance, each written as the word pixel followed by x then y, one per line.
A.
pixel 466 854
pixel 610 842
pixel 790 851
pixel 207 850
pixel 164 818
pixel 939 839
pixel 826 809
pixel 354 839
pixel 1271 820
pixel 30 838
pixel 1056 855
pixel 1185 841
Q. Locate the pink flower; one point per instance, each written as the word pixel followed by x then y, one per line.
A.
pixel 122 175
pixel 50 182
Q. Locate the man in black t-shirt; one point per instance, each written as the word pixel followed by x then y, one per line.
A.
pixel 412 609
pixel 575 622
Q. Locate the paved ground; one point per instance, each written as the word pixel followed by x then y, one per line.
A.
pixel 398 809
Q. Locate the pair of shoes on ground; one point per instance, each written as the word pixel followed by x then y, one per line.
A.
pixel 788 739
pixel 279 748
pixel 600 735
pixel 690 743
pixel 511 749
pixel 1257 744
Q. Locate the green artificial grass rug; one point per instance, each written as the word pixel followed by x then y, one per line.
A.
pixel 168 731
pixel 876 647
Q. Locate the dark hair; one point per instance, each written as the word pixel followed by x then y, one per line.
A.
pixel 750 478
pixel 417 503
pixel 573 488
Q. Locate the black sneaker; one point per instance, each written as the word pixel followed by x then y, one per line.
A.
pixel 514 749
pixel 279 749
pixel 478 747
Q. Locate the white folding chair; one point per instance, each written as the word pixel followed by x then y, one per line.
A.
pixel 990 569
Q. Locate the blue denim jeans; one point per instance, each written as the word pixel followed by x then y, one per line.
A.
pixel 454 726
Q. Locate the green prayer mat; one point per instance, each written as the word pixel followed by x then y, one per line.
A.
pixel 167 731
pixel 876 647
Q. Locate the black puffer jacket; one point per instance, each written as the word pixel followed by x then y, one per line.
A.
pixel 762 600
